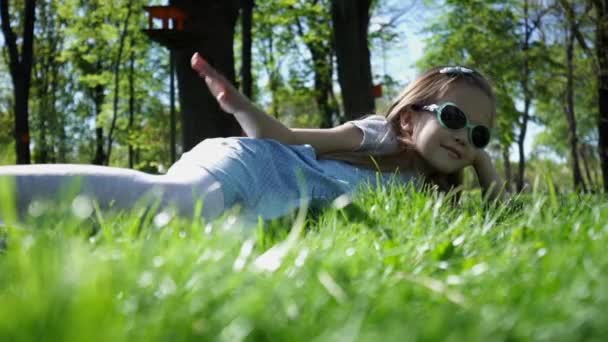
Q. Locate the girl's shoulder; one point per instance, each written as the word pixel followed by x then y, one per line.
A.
pixel 378 134
pixel 372 122
pixel 371 117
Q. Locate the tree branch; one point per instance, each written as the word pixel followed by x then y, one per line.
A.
pixel 123 36
pixel 9 38
pixel 577 33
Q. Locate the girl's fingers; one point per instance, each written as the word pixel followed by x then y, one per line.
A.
pixel 198 63
pixel 221 97
pixel 214 86
pixel 218 85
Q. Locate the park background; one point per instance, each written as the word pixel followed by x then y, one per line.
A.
pixel 81 82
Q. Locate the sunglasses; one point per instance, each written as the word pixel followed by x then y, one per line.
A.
pixel 452 117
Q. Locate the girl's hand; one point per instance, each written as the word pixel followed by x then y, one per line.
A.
pixel 481 159
pixel 491 184
pixel 228 97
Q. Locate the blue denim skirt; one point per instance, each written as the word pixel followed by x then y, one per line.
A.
pixel 270 179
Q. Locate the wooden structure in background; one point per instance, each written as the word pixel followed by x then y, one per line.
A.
pixel 171 34
pixel 377 90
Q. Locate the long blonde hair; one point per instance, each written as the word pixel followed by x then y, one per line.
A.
pixel 424 90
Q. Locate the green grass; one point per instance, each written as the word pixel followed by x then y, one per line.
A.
pixel 394 265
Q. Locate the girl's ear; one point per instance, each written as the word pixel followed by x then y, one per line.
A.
pixel 406 123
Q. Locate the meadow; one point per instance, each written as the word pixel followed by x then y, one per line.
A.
pixel 392 264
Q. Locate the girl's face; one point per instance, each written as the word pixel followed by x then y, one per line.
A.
pixel 447 150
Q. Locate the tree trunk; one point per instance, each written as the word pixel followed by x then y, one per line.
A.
pixel 601 68
pixel 40 85
pixel 322 67
pixel 116 69
pixel 44 84
pixel 57 128
pixel 212 22
pixel 131 105
pixel 246 79
pixel 583 154
pixel 323 89
pixel 507 163
pixel 579 184
pixel 173 119
pixel 62 137
pixel 98 97
pixel 274 77
pixel 595 173
pixel 350 20
pixel 527 99
pixel 20 66
pixel 602 54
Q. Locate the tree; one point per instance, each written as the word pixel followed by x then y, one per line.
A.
pixel 20 66
pixel 210 31
pixel 116 71
pixel 46 81
pixel 531 17
pixel 310 21
pixel 570 31
pixel 294 51
pixel 601 46
pixel 600 60
pixel 246 17
pixel 350 19
pixel 91 52
pixel 273 43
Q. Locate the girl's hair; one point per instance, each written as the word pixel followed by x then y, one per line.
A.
pixel 427 89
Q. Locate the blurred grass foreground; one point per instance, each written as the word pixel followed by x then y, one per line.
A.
pixel 396 264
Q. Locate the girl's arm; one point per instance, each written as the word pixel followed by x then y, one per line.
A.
pixel 257 124
pixel 492 186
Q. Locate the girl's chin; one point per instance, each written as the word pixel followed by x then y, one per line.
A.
pixel 442 166
pixel 447 169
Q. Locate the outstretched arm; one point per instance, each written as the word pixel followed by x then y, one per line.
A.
pixel 492 187
pixel 257 124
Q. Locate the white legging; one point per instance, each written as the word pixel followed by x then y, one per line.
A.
pixel 118 188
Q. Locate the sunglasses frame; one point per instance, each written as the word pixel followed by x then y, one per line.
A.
pixel 438 108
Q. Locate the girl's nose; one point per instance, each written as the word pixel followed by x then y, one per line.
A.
pixel 461 136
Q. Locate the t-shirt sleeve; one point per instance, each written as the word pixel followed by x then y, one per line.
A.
pixel 378 135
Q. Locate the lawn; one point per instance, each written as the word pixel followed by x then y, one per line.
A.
pixel 393 265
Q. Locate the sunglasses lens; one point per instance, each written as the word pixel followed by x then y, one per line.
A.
pixel 453 117
pixel 480 136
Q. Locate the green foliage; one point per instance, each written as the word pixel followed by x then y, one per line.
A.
pixel 72 84
pixel 395 264
pixel 293 49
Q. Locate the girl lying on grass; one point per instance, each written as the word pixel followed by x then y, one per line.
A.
pixel 435 128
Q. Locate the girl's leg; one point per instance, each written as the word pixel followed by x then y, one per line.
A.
pixel 116 188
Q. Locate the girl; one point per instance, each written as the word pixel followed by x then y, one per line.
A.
pixel 437 126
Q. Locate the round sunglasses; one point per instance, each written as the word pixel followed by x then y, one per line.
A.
pixel 452 117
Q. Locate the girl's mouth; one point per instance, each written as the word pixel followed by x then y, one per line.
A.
pixel 453 152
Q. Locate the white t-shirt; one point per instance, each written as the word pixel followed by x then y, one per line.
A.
pixel 378 135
